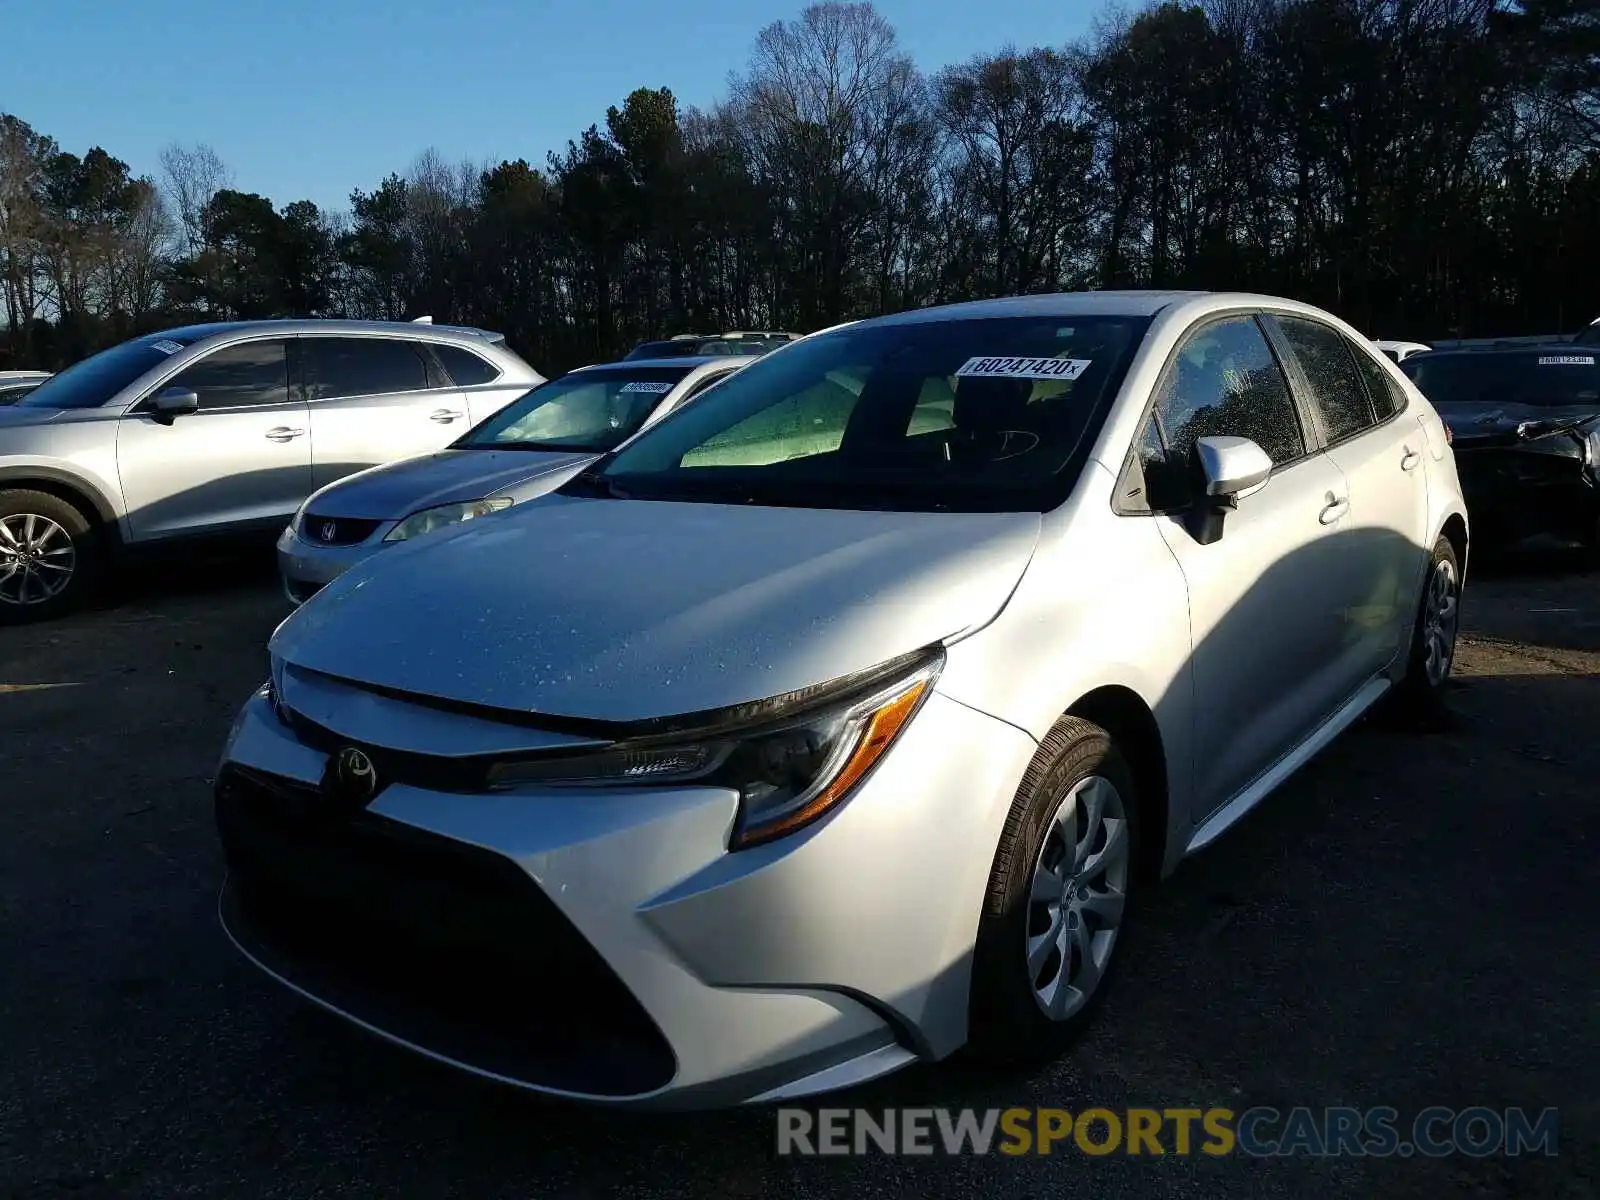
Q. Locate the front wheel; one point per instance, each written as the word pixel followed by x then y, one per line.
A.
pixel 1059 895
pixel 49 556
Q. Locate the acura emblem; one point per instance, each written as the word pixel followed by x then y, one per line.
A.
pixel 351 775
pixel 328 532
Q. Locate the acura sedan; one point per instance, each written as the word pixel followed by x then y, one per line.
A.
pixel 840 719
pixel 528 448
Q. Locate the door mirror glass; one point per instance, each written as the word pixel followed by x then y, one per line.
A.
pixel 175 401
pixel 1231 468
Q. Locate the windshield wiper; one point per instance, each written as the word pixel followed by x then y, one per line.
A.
pixel 557 447
pixel 595 484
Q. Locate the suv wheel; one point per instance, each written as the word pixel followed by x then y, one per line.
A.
pixel 1059 894
pixel 49 556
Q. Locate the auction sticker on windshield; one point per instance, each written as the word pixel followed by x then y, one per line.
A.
pixel 1567 360
pixel 1023 368
pixel 641 386
pixel 167 347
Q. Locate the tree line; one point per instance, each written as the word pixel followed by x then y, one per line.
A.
pixel 1424 168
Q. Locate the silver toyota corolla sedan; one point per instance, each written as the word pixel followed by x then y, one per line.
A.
pixel 838 720
pixel 530 447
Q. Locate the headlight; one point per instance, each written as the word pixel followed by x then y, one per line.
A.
pixel 429 519
pixel 787 771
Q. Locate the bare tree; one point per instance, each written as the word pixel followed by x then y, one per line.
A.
pixel 192 175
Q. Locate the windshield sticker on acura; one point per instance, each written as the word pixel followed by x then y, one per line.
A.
pixel 1567 360
pixel 167 347
pixel 1023 368
pixel 640 386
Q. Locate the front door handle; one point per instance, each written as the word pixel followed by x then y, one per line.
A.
pixel 1411 460
pixel 444 416
pixel 283 433
pixel 1335 508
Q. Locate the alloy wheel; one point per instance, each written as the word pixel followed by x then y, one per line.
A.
pixel 1078 897
pixel 37 559
pixel 1440 617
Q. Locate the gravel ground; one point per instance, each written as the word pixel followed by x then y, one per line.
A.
pixel 1410 922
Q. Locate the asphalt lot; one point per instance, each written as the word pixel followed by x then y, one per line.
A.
pixel 1412 921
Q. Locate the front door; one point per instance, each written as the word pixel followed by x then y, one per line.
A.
pixel 242 461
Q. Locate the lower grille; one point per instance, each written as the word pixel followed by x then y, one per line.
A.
pixel 300 591
pixel 447 946
pixel 336 531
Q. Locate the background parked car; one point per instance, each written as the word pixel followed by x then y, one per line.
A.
pixel 221 430
pixel 1526 428
pixel 688 345
pixel 1400 351
pixel 14 385
pixel 530 447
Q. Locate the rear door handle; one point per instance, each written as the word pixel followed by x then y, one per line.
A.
pixel 444 416
pixel 1335 508
pixel 1411 460
pixel 283 434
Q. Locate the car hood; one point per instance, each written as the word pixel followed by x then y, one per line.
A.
pixel 623 610
pixel 1473 422
pixel 397 489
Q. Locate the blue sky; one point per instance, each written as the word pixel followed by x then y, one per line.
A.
pixel 311 98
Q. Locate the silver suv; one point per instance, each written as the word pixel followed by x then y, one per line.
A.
pixel 222 429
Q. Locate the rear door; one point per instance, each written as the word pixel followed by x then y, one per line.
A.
pixel 371 402
pixel 476 386
pixel 242 460
pixel 1381 454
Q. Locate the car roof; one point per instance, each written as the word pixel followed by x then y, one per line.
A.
pixel 1129 303
pixel 688 362
pixel 297 325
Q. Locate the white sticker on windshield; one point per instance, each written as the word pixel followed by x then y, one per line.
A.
pixel 1567 360
pixel 1023 368
pixel 655 389
pixel 166 347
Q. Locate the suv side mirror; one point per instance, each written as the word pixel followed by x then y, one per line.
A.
pixel 1227 470
pixel 174 402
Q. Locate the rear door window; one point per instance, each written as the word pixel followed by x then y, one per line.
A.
pixel 334 367
pixel 1387 397
pixel 1338 392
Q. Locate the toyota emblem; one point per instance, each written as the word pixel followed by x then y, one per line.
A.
pixel 352 775
pixel 328 532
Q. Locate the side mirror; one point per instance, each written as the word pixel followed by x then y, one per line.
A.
pixel 1227 470
pixel 174 402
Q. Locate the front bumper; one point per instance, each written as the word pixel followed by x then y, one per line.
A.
pixel 305 568
pixel 606 946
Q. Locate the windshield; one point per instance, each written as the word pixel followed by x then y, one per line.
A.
pixel 586 410
pixel 1590 336
pixel 90 383
pixel 1550 378
pixel 972 415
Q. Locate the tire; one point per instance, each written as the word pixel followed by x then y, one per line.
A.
pixel 1419 697
pixel 50 556
pixel 1022 1008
